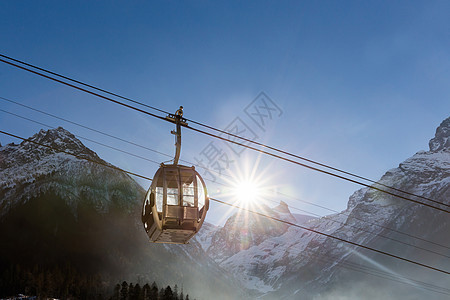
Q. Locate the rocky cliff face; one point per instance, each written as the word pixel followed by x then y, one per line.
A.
pixel 441 141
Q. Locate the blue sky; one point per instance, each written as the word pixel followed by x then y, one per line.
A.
pixel 362 85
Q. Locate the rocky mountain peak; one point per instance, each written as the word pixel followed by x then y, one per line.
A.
pixel 59 139
pixel 441 140
pixel 282 208
pixel 67 171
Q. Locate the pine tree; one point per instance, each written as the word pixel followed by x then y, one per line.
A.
pixel 161 294
pixel 146 292
pixel 136 292
pixel 130 290
pixel 124 291
pixel 168 294
pixel 175 292
pixel 154 292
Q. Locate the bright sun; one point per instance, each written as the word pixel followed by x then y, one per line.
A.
pixel 247 185
pixel 246 191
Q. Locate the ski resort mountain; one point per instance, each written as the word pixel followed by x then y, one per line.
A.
pixel 61 210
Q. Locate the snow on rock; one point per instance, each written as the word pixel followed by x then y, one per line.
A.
pixel 244 230
pixel 441 140
pixel 29 169
pixel 204 236
pixel 251 247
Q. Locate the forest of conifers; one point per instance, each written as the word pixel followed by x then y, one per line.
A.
pixel 67 283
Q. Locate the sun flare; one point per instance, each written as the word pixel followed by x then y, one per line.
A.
pixel 247 191
pixel 248 185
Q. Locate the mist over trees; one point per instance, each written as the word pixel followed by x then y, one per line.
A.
pixel 66 283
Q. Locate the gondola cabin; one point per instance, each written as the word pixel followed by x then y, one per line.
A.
pixel 175 205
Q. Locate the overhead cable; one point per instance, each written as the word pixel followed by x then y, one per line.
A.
pixel 210 170
pixel 218 130
pixel 234 142
pixel 157 163
pixel 249 210
pixel 331 236
pixel 347 265
pixel 82 83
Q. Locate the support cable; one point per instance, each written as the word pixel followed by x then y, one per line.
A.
pixel 216 129
pixel 234 142
pixel 157 163
pixel 77 156
pixel 330 236
pixel 144 158
pixel 248 210
pixel 84 138
pixel 83 83
pixel 323 171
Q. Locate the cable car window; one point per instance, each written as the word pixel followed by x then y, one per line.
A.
pixel 172 187
pixel 159 198
pixel 187 182
pixel 159 191
pixel 201 193
pixel 172 196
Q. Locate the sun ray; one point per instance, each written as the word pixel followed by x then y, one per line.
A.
pixel 248 183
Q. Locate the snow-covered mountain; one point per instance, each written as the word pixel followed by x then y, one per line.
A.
pixel 57 208
pixel 279 262
pixel 28 169
pixel 61 212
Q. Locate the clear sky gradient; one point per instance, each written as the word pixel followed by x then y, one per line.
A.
pixel 362 85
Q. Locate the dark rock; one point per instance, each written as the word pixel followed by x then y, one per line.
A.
pixel 441 140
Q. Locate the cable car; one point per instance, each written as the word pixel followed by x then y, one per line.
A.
pixel 176 203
